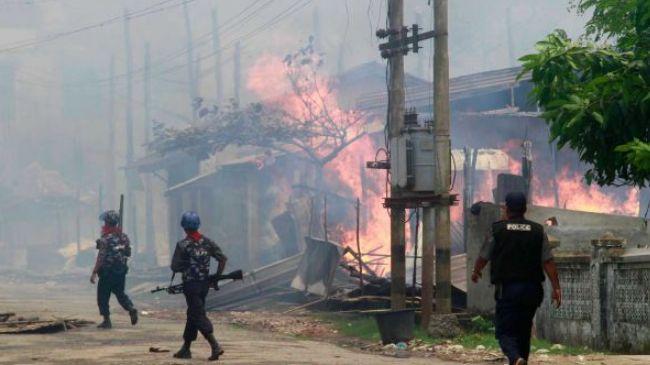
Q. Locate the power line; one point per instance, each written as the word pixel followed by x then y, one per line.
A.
pixel 200 41
pixel 152 9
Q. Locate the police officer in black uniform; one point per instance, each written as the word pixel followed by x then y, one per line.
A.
pixel 192 259
pixel 520 254
pixel 111 267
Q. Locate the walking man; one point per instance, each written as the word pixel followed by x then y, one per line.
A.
pixel 192 258
pixel 111 267
pixel 520 254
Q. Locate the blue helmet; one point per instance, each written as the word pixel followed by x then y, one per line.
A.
pixel 190 221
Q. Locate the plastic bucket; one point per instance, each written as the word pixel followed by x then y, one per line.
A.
pixel 395 326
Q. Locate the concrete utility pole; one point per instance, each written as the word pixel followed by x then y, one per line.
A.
pixel 193 92
pixel 129 133
pixel 396 97
pixel 216 49
pixel 443 145
pixel 420 64
pixel 150 241
pixel 237 72
pixel 110 178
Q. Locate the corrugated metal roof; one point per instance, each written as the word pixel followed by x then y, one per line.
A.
pixel 460 87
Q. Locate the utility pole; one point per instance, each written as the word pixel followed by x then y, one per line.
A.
pixel 216 49
pixel 405 192
pixel 511 41
pixel 190 56
pixel 129 132
pixel 443 146
pixel 148 193
pixel 237 73
pixel 396 97
pixel 420 64
pixel 110 183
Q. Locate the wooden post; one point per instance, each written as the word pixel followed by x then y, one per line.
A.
pixel 556 186
pixel 216 49
pixel 428 242
pixel 252 209
pixel 150 242
pixel 360 259
pixel 237 73
pixel 110 156
pixel 443 144
pixel 130 196
pixel 325 217
pixel 415 246
pixel 396 97
pixel 193 93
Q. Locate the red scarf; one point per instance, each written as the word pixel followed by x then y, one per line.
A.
pixel 110 229
pixel 194 235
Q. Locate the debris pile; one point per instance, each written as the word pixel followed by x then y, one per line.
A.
pixel 288 325
pixel 10 324
pixel 446 350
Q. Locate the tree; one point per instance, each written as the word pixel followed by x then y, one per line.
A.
pixel 595 91
pixel 305 119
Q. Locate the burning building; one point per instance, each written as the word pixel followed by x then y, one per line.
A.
pixel 241 190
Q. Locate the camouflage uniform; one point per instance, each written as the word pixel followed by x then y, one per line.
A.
pixel 192 259
pixel 114 251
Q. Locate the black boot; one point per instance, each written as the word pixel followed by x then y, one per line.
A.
pixel 133 313
pixel 184 352
pixel 106 324
pixel 216 349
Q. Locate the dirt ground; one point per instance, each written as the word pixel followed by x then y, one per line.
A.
pixel 125 344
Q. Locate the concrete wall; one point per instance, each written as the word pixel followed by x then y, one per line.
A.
pixel 606 291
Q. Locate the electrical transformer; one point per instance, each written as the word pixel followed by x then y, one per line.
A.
pixel 414 165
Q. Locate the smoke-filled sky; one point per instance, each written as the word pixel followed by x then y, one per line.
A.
pixel 55 57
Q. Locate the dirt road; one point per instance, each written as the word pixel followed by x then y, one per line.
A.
pixel 130 345
pixel 125 344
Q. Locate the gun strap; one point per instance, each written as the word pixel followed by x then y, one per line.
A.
pixel 172 279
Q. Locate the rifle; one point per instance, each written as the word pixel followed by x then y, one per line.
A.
pixel 120 224
pixel 212 279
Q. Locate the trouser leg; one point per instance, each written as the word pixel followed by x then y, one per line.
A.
pixel 197 319
pixel 103 295
pixel 190 332
pixel 118 290
pixel 525 331
pixel 507 331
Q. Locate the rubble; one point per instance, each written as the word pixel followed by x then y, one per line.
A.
pixel 35 325
pixel 444 326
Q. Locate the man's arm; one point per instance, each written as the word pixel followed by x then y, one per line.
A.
pixel 479 265
pixel 483 257
pixel 219 256
pixel 98 261
pixel 551 271
pixel 127 245
pixel 178 261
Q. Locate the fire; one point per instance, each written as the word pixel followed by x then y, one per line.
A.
pixel 271 80
pixel 573 192
pixel 576 195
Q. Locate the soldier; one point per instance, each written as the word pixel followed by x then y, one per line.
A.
pixel 111 267
pixel 192 259
pixel 520 254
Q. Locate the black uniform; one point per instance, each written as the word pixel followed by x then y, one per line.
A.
pixel 114 251
pixel 192 259
pixel 517 249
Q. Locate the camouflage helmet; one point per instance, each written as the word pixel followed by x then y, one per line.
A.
pixel 110 218
pixel 190 221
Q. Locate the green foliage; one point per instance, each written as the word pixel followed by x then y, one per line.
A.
pixel 595 92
